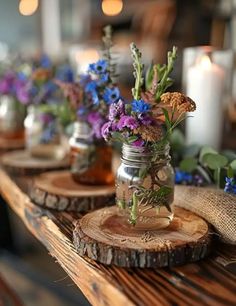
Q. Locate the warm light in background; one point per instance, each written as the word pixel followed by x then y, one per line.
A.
pixel 205 62
pixel 28 7
pixel 112 7
pixel 85 57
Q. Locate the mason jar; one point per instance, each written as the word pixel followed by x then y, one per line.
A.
pixel 145 187
pixel 43 134
pixel 91 162
pixel 12 115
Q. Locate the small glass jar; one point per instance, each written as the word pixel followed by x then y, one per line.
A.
pixel 12 115
pixel 91 163
pixel 43 134
pixel 145 187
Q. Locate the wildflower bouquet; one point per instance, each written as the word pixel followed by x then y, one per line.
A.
pixel 92 95
pixel 153 114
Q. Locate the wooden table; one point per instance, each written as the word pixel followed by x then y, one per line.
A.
pixel 209 282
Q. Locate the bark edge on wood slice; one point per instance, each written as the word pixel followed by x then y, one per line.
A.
pixel 57 190
pixel 20 162
pixel 101 236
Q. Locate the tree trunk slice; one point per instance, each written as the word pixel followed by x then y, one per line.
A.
pixel 57 190
pixel 11 144
pixel 22 163
pixel 103 236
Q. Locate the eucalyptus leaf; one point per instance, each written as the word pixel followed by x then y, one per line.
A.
pixel 230 172
pixel 205 150
pixel 192 150
pixel 204 174
pixel 233 165
pixel 188 164
pixel 231 155
pixel 214 161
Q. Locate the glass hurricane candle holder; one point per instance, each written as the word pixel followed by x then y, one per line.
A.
pixel 43 134
pixel 145 187
pixel 12 115
pixel 91 163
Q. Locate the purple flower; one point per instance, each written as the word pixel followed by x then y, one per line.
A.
pixel 22 95
pixel 111 95
pixel 106 130
pixel 138 143
pixel 127 121
pixel 116 110
pixel 94 118
pixel 145 119
pixel 46 118
pixel 7 83
pixel 140 106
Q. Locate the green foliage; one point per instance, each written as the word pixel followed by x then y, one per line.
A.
pixel 188 164
pixel 214 161
pixel 138 71
pixel 205 150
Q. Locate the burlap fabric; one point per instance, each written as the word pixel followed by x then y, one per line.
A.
pixel 215 206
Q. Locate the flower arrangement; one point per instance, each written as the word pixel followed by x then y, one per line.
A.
pixel 91 96
pixel 150 118
pixel 147 122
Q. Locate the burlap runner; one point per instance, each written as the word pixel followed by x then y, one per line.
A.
pixel 215 206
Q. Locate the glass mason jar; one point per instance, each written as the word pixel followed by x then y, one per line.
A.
pixel 12 115
pixel 91 163
pixel 43 134
pixel 145 187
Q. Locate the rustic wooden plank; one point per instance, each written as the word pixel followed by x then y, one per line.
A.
pixel 208 282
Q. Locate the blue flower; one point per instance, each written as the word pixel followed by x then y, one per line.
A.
pixel 182 177
pixel 140 106
pixel 111 95
pixel 230 185
pixel 103 79
pixel 99 67
pixel 65 74
pixel 91 86
pixel 45 61
pixel 95 97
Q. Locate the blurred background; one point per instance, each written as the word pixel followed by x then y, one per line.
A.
pixel 72 29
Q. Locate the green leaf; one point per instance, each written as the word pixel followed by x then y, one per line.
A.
pixel 167 119
pixel 191 151
pixel 214 161
pixel 149 77
pixel 230 172
pixel 188 164
pixel 231 155
pixel 132 139
pixel 233 165
pixel 204 173
pixel 205 150
pixel 177 140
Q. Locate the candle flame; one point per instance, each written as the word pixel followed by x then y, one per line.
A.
pixel 205 62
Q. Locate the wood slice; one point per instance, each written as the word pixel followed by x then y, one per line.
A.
pixel 57 190
pixel 22 163
pixel 11 144
pixel 104 236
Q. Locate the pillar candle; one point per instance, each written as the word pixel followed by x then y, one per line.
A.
pixel 205 85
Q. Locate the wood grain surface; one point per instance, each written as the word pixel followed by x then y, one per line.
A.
pixel 57 190
pixel 22 163
pixel 211 281
pixel 106 236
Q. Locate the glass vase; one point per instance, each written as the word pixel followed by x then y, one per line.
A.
pixel 91 162
pixel 43 134
pixel 12 115
pixel 145 187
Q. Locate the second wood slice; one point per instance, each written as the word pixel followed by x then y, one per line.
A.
pixel 104 236
pixel 57 190
pixel 22 163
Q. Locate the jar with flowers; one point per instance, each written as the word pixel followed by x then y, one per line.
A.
pixel 12 113
pixel 45 109
pixel 145 178
pixel 90 97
